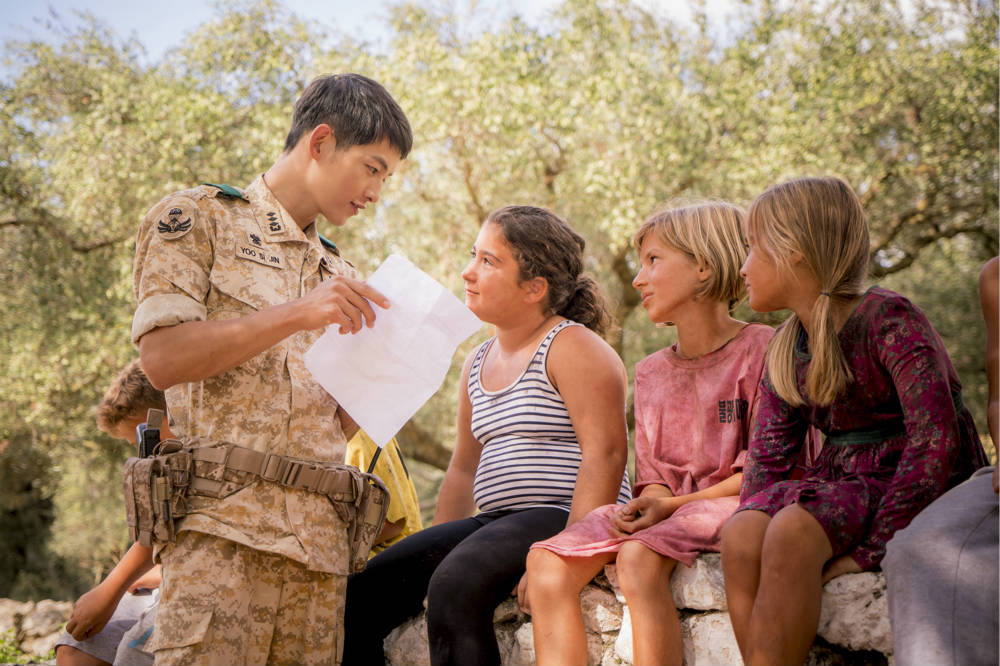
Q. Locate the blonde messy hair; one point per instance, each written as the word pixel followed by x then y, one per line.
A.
pixel 822 220
pixel 711 233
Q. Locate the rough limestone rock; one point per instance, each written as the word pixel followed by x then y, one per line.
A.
pixel 37 626
pixel 12 614
pixel 407 644
pixel 525 646
pixel 700 587
pixel 709 639
pixel 854 624
pixel 602 612
pixel 623 642
pixel 853 630
pixel 47 617
pixel 855 613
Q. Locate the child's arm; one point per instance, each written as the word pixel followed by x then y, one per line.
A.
pixel 594 394
pixel 93 610
pixel 778 434
pixel 148 581
pixel 455 496
pixel 652 507
pixel 911 351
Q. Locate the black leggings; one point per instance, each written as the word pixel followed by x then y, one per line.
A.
pixel 465 568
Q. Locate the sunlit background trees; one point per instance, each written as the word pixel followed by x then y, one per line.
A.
pixel 601 112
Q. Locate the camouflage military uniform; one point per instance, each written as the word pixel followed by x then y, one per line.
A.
pixel 202 254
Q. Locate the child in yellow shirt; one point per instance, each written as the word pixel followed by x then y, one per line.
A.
pixel 403 517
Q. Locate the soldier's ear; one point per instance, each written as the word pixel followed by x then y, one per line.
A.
pixel 321 139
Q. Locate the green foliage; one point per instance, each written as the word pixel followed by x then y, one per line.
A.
pixel 10 653
pixel 601 115
pixel 28 567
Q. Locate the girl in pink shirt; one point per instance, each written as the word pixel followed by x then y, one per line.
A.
pixel 693 404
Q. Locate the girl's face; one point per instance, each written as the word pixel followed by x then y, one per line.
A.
pixel 493 289
pixel 762 275
pixel 667 279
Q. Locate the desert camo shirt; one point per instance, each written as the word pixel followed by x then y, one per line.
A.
pixel 201 255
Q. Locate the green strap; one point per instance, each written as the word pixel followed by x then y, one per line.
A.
pixel 872 435
pixel 327 243
pixel 880 432
pixel 228 190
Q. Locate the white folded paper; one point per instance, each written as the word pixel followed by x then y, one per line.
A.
pixel 382 375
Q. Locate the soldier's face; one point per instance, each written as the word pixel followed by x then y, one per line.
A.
pixel 346 181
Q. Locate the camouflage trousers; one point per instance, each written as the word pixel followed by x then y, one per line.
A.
pixel 225 603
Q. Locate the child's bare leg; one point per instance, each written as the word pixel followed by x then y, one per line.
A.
pixel 67 655
pixel 554 585
pixel 644 576
pixel 742 541
pixel 786 613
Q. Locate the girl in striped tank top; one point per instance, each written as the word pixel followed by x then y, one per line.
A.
pixel 542 441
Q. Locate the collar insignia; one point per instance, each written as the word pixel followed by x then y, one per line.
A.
pixel 275 225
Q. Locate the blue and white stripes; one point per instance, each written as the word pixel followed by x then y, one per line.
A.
pixel 530 453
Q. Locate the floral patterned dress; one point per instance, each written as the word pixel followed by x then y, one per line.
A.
pixel 897 439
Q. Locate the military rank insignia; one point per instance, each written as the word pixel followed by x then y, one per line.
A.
pixel 274 225
pixel 175 224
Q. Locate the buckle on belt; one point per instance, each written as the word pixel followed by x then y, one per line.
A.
pixel 281 470
pixel 274 467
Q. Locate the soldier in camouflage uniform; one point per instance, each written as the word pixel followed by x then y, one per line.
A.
pixel 232 288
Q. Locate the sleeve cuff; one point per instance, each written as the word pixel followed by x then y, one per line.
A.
pixel 165 310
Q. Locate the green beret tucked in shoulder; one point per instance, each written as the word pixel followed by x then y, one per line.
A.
pixel 228 190
pixel 328 244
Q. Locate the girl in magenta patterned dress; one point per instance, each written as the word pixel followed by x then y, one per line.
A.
pixel 868 370
pixel 693 405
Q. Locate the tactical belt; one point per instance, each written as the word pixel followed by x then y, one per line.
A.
pixel 156 489
pixel 331 480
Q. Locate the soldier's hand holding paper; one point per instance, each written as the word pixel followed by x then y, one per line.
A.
pixel 384 375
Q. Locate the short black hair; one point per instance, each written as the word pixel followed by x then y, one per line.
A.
pixel 358 110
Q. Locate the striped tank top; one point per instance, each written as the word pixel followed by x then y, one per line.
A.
pixel 530 455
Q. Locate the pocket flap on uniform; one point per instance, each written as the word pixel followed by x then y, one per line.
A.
pixel 178 630
pixel 245 281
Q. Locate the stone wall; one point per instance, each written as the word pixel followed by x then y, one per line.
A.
pixel 36 625
pixel 853 628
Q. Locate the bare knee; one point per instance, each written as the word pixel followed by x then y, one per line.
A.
pixel 642 571
pixel 549 576
pixel 795 539
pixel 743 538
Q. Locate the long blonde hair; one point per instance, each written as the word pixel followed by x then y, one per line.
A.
pixel 822 220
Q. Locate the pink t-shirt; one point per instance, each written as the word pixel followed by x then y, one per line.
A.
pixel 693 416
pixel 692 424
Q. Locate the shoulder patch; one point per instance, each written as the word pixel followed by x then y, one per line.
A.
pixel 328 244
pixel 174 222
pixel 228 190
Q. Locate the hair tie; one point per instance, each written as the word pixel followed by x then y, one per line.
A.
pixel 824 293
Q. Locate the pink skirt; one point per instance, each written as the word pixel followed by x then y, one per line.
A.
pixel 692 529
